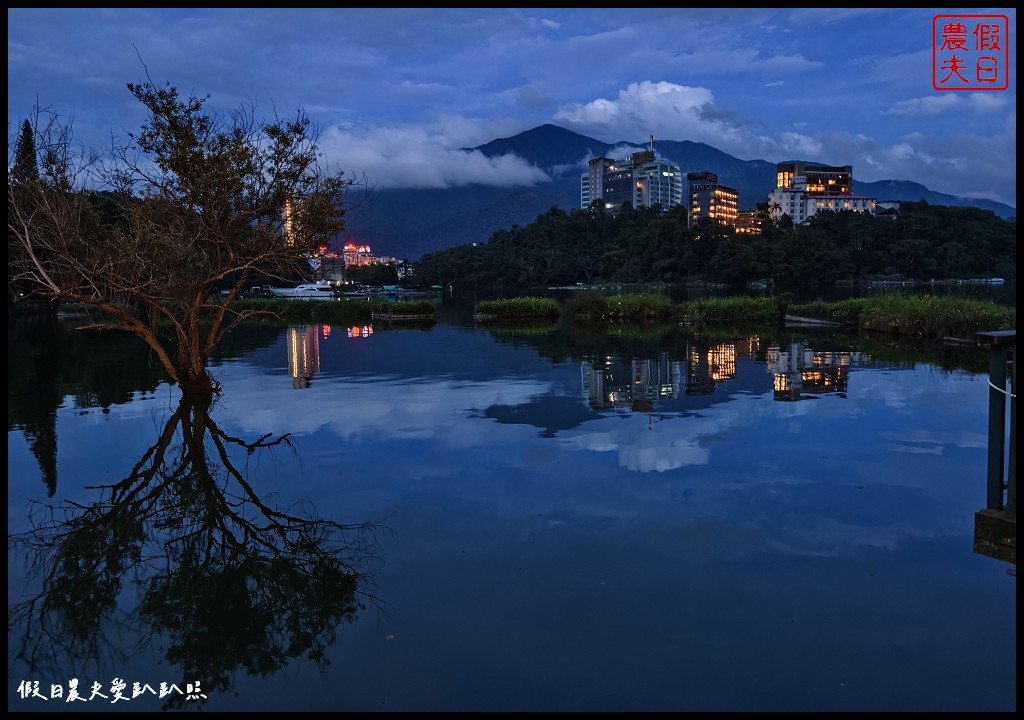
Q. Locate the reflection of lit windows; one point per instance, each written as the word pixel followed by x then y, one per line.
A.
pixel 810 371
pixel 722 361
pixel 303 355
pixel 356 331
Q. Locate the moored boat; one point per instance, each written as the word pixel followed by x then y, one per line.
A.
pixel 306 291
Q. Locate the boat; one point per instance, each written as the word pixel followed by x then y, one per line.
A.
pixel 402 293
pixel 362 291
pixel 809 321
pixel 306 291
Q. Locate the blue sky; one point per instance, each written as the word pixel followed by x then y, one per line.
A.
pixel 397 92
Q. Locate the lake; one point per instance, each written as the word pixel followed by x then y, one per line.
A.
pixel 457 517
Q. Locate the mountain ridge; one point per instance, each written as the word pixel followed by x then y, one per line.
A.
pixel 409 223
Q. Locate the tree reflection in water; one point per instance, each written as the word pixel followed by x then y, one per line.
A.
pixel 225 582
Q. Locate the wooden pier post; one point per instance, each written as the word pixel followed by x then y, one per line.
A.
pixel 995 527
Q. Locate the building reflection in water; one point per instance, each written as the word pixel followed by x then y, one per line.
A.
pixel 612 383
pixel 303 354
pixel 636 385
pixel 799 371
pixel 709 365
pixel 304 350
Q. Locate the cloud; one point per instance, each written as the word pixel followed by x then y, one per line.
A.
pixel 986 102
pixel 418 156
pixel 944 164
pixel 354 410
pixel 931 105
pixel 437 80
pixel 640 452
pixel 664 109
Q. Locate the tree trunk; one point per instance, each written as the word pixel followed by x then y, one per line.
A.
pixel 190 362
pixel 196 385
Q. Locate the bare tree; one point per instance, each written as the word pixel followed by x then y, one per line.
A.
pixel 192 202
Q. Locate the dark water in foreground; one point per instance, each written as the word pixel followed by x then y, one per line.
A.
pixel 513 519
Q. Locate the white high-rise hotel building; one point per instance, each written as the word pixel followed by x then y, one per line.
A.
pixel 803 190
pixel 640 181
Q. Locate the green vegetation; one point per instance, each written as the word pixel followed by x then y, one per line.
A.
pixel 894 313
pixel 518 308
pixel 588 304
pixel 640 306
pixel 730 310
pixel 26 157
pixel 404 309
pixel 593 305
pixel 917 315
pixel 277 308
pixel 924 242
pixel 343 311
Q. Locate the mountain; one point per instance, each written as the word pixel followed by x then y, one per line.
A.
pixel 408 223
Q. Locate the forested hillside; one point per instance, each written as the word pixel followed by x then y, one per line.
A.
pixel 924 242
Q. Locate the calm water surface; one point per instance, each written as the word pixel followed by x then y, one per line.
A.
pixel 461 518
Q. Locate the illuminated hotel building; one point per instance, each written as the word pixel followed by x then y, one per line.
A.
pixel 708 199
pixel 357 255
pixel 803 190
pixel 639 181
pixel 289 222
pixel 749 222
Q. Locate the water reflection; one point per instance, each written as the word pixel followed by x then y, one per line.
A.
pixel 303 354
pixel 637 384
pixel 359 331
pixel 529 519
pixel 799 372
pixel 303 343
pixel 91 370
pixel 612 383
pixel 183 553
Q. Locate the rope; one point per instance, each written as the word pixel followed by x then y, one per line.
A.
pixel 1004 392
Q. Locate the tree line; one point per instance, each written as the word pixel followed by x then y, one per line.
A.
pixel 922 242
